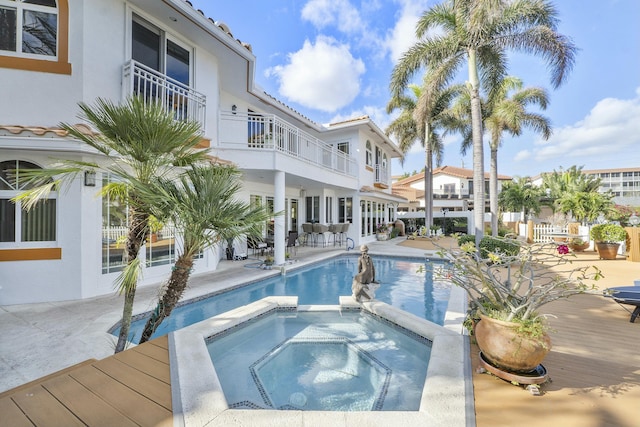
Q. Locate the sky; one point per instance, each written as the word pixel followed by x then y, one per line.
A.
pixel 331 60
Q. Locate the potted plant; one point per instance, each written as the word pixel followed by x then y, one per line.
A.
pixel 155 225
pixel 382 231
pixel 577 244
pixel 506 290
pixel 268 262
pixel 607 239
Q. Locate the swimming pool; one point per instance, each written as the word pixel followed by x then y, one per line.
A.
pixel 322 361
pixel 402 286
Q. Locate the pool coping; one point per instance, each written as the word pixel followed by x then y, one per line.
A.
pixel 447 398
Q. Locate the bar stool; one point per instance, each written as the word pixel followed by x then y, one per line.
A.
pixel 307 232
pixel 343 231
pixel 334 229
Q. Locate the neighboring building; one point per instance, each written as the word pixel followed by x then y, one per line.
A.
pixel 452 190
pixel 163 50
pixel 624 183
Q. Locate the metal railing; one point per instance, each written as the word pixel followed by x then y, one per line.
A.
pixel 382 174
pixel 184 102
pixel 269 132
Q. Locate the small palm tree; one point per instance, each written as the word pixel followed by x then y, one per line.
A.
pixel 422 116
pixel 139 142
pixel 520 195
pixel 202 204
pixel 479 33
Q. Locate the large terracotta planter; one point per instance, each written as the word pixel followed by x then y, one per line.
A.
pixel 505 348
pixel 607 250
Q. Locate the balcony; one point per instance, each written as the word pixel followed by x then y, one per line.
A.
pixel 382 177
pixel 269 133
pixel 184 102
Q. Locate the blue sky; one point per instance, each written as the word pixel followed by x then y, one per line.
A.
pixel 332 59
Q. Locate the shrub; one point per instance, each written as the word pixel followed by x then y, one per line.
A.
pixel 491 244
pixel 465 238
pixel 608 233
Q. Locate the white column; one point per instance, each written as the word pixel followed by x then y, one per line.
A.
pixel 279 225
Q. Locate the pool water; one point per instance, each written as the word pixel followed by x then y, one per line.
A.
pixel 402 286
pixel 325 361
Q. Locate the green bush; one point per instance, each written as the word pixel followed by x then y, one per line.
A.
pixel 491 244
pixel 610 233
pixel 466 238
pixel 394 232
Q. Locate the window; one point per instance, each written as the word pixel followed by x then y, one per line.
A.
pixel 369 154
pixel 16 224
pixel 328 209
pixel 343 147
pixel 345 209
pixel 115 223
pixel 313 209
pixel 34 35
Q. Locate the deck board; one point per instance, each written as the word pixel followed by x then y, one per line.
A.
pixel 12 415
pixel 143 363
pixel 43 409
pixel 137 406
pixel 154 389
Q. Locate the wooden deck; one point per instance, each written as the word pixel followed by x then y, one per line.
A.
pixel 132 388
pixel 594 364
pixel 594 367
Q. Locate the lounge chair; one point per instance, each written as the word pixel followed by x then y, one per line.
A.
pixel 256 245
pixel 627 295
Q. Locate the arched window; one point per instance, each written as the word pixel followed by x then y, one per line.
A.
pixel 16 224
pixel 34 35
pixel 369 154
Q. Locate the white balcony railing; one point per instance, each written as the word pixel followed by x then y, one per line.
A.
pixel 152 86
pixel 382 174
pixel 269 132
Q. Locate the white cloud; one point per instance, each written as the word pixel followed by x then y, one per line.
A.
pixel 341 13
pixel 324 76
pixel 611 130
pixel 403 35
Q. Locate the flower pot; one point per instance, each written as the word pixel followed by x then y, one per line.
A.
pixel 382 236
pixel 607 250
pixel 578 248
pixel 506 348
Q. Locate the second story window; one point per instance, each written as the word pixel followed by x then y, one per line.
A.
pixel 369 154
pixel 34 35
pixel 29 27
pixel 151 47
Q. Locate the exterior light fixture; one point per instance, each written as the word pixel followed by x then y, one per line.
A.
pixel 89 179
pixel 234 107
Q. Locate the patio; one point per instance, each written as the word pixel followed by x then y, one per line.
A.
pixel 594 363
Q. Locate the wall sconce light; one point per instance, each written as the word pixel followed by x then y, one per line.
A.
pixel 234 107
pixel 89 179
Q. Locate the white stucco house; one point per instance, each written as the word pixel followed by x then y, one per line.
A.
pixel 63 52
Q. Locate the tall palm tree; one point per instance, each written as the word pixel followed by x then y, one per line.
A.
pixel 422 116
pixel 506 112
pixel 203 205
pixel 480 32
pixel 139 142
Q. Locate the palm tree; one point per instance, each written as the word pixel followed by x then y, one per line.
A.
pixel 571 180
pixel 480 33
pixel 139 142
pixel 421 117
pixel 520 195
pixel 202 204
pixel 506 111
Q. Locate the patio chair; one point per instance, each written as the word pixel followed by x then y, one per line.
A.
pixel 334 230
pixel 256 245
pixel 343 231
pixel 292 240
pixel 627 295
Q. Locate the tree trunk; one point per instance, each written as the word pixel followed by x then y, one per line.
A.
pixel 428 179
pixel 171 296
pixel 138 231
pixel 493 188
pixel 478 149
